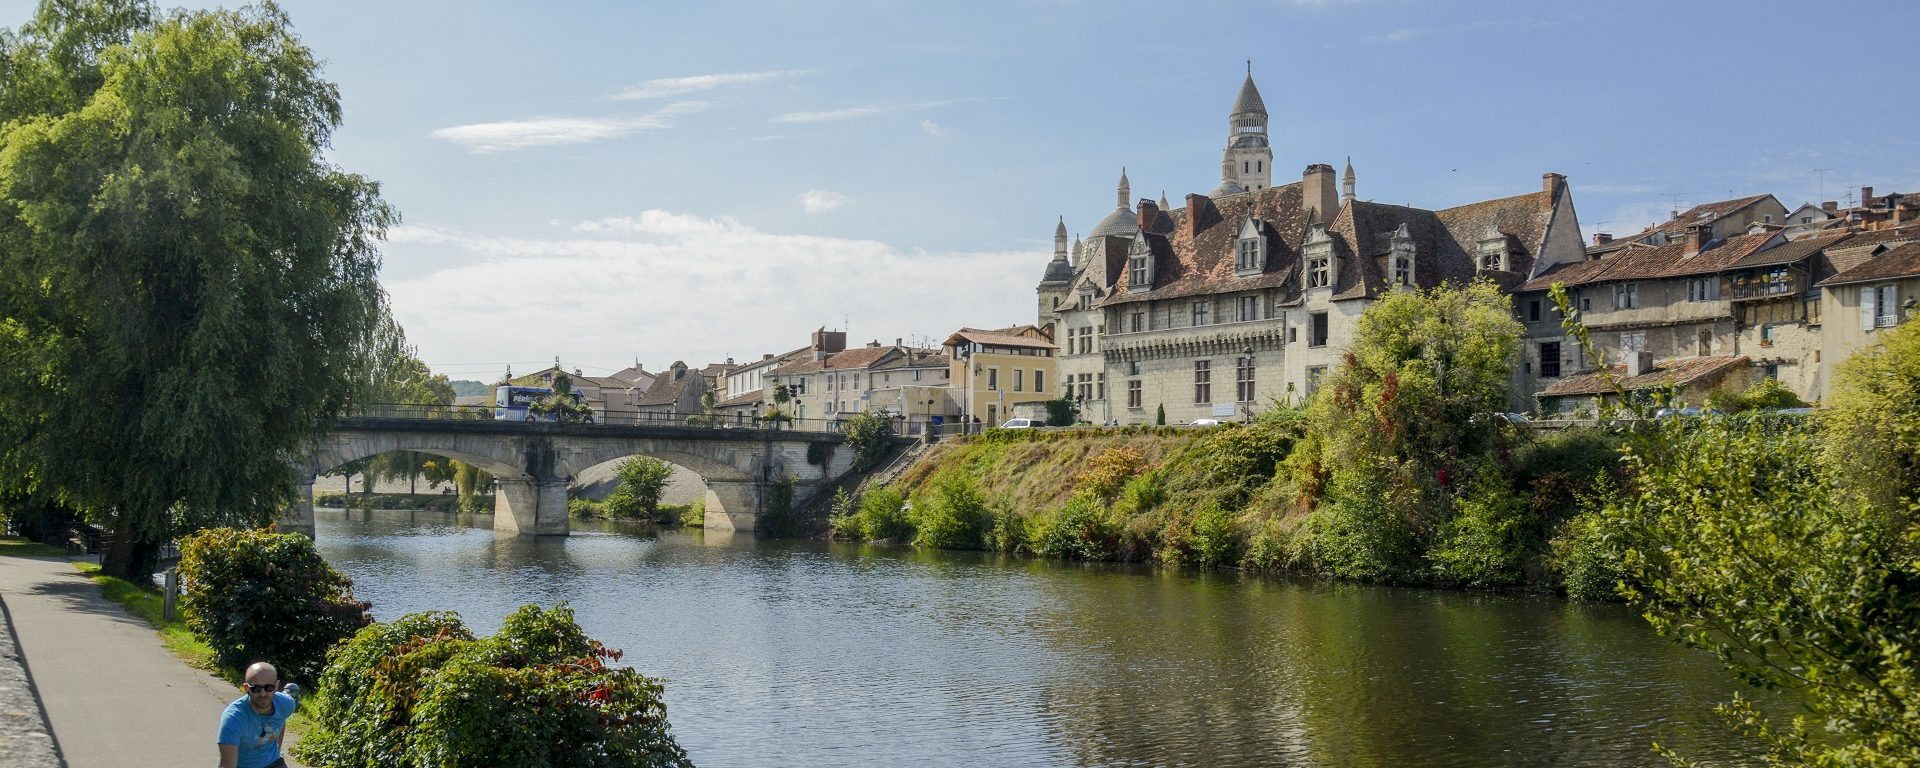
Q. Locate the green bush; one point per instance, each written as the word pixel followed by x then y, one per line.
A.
pixel 869 434
pixel 952 516
pixel 778 518
pixel 1761 395
pixel 1210 540
pixel 1483 544
pixel 640 480
pixel 582 509
pixel 1587 556
pixel 1361 532
pixel 423 692
pixel 1077 531
pixel 264 596
pixel 695 515
pixel 881 515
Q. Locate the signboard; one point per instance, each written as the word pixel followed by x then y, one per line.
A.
pixel 1223 410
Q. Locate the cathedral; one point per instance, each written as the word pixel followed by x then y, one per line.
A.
pixel 1245 296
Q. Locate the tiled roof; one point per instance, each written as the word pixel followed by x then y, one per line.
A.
pixel 743 399
pixel 666 389
pixel 715 370
pixel 1790 252
pixel 1196 263
pixel 1650 262
pixel 998 339
pixel 1705 213
pixel 858 357
pixel 1679 371
pixel 1902 261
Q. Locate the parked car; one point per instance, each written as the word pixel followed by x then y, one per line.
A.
pixel 1019 424
pixel 1204 423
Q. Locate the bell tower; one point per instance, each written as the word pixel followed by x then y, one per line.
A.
pixel 1248 156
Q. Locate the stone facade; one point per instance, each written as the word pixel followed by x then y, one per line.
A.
pixel 996 370
pixel 1245 298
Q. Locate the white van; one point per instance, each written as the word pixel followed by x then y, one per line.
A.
pixel 1019 424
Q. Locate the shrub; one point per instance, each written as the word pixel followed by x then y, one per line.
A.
pixel 423 692
pixel 263 596
pixel 1160 415
pixel 582 509
pixel 1872 421
pixel 1360 532
pixel 952 516
pixel 869 434
pixel 1587 556
pixel 1109 471
pixel 1209 540
pixel 640 479
pixel 881 514
pixel 1061 412
pixel 1483 543
pixel 777 519
pixel 1760 395
pixel 695 515
pixel 1077 531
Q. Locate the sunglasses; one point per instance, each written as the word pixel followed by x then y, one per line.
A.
pixel 264 688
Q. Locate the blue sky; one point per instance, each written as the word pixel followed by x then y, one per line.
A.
pixel 662 181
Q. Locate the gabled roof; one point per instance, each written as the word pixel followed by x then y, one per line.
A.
pixel 1790 252
pixel 1679 371
pixel 1652 262
pixel 999 338
pixel 1703 214
pixel 1901 261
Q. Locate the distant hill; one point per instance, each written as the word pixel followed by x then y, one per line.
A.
pixel 464 388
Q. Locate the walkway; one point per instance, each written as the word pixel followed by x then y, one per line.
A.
pixel 115 695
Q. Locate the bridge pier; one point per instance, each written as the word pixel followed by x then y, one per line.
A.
pixel 530 507
pixel 732 505
pixel 298 516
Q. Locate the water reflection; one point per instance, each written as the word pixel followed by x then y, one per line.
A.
pixel 810 653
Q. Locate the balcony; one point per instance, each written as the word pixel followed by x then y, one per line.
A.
pixel 1773 285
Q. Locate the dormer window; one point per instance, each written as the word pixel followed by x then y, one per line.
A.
pixel 1400 257
pixel 1318 252
pixel 1250 253
pixel 1140 265
pixel 1086 299
pixel 1493 250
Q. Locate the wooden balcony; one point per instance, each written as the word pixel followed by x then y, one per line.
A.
pixel 1764 286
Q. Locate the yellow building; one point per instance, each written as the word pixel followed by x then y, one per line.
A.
pixel 994 370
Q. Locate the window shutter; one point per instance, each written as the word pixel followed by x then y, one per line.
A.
pixel 1866 309
pixel 1893 303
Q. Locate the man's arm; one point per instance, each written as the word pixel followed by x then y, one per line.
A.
pixel 229 756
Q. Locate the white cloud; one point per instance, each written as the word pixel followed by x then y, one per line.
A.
pixel 821 201
pixel 674 86
pixel 667 286
pixel 506 136
pixel 932 128
pixel 867 110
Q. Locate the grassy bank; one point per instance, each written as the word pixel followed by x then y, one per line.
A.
pixel 1223 497
pixel 440 502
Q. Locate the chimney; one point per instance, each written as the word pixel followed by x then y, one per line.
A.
pixel 1639 362
pixel 766 356
pixel 875 344
pixel 1200 214
pixel 1698 236
pixel 1830 206
pixel 827 342
pixel 1552 184
pixel 1149 210
pixel 1602 238
pixel 1317 192
pixel 1866 197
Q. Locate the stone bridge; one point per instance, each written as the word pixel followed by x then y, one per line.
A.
pixel 532 462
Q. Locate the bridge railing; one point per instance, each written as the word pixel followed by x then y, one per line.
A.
pixel 599 417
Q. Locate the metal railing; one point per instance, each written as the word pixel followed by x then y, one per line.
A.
pixel 597 417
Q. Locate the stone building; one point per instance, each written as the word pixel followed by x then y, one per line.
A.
pixel 1247 295
pixel 833 382
pixel 992 371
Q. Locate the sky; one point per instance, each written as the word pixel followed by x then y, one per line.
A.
pixel 613 182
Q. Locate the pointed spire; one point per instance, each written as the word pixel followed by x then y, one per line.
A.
pixel 1249 100
pixel 1346 184
pixel 1126 190
pixel 1073 256
pixel 1060 230
pixel 1060 240
pixel 1163 201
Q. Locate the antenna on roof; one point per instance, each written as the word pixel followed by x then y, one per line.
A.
pixel 1673 202
pixel 1823 183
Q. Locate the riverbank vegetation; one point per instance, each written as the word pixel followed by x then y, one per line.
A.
pixel 1397 471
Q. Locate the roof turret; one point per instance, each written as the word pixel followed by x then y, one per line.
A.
pixel 1249 100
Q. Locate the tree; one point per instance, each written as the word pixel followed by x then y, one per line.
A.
pixel 870 435
pixel 1404 431
pixel 1160 415
pixel 641 480
pixel 190 288
pixel 564 404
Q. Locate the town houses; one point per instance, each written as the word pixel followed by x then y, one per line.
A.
pixel 1243 298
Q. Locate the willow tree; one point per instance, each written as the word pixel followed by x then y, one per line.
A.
pixel 188 289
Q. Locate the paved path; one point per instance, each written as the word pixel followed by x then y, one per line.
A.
pixel 115 695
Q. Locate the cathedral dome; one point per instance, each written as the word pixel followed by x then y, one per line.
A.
pixel 1227 187
pixel 1121 223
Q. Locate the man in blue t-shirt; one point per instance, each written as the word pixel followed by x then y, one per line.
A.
pixel 253 725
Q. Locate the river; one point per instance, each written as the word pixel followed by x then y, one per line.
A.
pixel 810 653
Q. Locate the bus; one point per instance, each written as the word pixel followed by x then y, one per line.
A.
pixel 510 403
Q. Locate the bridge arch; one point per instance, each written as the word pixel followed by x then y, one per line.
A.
pixel 533 462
